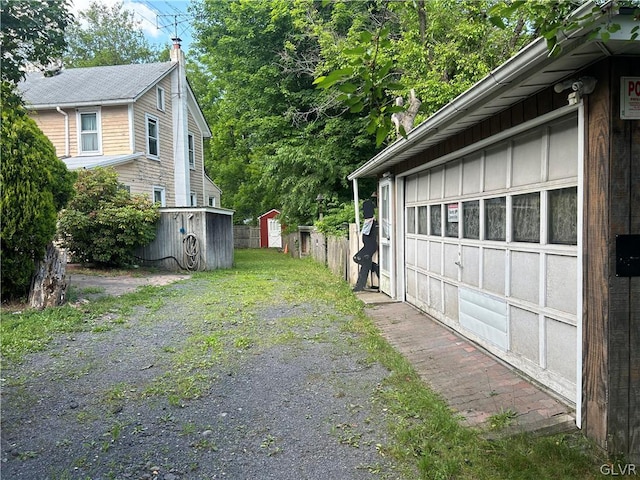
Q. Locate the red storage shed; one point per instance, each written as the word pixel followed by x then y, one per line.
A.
pixel 270 230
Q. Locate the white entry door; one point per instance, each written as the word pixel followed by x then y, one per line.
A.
pixel 386 249
pixel 275 233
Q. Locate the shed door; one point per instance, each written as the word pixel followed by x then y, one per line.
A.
pixel 385 250
pixel 274 233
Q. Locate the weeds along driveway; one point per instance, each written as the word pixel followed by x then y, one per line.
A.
pixel 252 373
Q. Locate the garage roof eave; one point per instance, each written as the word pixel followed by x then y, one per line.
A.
pixel 503 87
pixel 455 111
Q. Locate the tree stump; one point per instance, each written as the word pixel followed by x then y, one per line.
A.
pixel 49 284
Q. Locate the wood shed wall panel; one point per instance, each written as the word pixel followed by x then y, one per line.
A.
pixel 219 241
pixel 634 299
pixel 596 267
pixel 624 417
pixel 213 232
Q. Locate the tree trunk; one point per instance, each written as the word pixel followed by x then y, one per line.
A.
pixel 404 120
pixel 49 284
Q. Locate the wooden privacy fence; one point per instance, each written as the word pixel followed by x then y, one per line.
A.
pixel 334 252
pixel 246 236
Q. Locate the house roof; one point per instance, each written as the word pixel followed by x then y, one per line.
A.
pixel 271 212
pixel 525 74
pixel 76 87
pixel 109 85
pixel 76 163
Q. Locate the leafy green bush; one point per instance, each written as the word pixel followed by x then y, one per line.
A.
pixel 35 186
pixel 336 221
pixel 104 224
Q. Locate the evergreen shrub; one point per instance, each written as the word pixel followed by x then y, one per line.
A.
pixel 34 185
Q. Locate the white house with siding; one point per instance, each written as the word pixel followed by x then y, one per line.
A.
pixel 141 119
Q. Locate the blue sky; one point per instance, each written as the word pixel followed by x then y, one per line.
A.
pixel 157 18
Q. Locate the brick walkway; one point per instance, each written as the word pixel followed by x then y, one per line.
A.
pixel 473 382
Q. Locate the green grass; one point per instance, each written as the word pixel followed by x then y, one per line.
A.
pixel 32 330
pixel 426 439
pixel 429 437
pixel 27 330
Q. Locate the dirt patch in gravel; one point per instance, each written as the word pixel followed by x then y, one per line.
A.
pixel 303 407
pixel 94 285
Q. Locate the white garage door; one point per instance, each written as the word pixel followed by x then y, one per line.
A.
pixel 491 249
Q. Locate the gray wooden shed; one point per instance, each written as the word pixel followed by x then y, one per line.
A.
pixel 193 239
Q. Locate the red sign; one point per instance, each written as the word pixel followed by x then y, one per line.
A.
pixel 630 98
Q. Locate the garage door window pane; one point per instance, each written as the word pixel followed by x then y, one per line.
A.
pixel 495 218
pixel 411 220
pixel 436 220
pixel 526 217
pixel 423 220
pixel 563 216
pixel 471 219
pixel 452 219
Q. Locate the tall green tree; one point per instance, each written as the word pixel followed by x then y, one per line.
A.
pixel 548 18
pixel 438 48
pixel 278 141
pixel 31 32
pixel 442 47
pixel 104 35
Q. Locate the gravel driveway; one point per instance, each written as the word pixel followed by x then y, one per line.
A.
pixel 294 398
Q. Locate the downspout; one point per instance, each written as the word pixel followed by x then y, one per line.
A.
pixel 66 131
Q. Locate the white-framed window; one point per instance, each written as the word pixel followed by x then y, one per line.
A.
pixel 89 132
pixel 212 201
pixel 153 137
pixel 495 219
pixel 525 216
pixel 411 220
pixel 193 199
pixel 436 219
pixel 562 215
pixel 160 98
pixel 471 219
pixel 192 151
pixel 159 196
